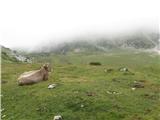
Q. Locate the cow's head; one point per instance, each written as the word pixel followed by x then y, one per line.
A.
pixel 47 67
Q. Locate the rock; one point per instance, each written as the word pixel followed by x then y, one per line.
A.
pixel 91 94
pixel 113 92
pixel 109 92
pixel 123 69
pixel 3 116
pixel 52 86
pixel 57 117
pixel 82 105
pixel 133 89
pixel 138 85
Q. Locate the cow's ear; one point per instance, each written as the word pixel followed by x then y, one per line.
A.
pixel 45 66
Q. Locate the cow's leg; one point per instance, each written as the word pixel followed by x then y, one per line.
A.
pixel 45 77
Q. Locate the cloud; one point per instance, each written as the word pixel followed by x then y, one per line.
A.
pixel 28 23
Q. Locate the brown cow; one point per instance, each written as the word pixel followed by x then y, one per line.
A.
pixel 31 77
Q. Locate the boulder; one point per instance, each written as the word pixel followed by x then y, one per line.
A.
pixel 51 86
pixel 124 69
pixel 57 117
pixel 138 85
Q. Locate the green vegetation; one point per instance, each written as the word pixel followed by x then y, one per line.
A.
pixel 6 55
pixel 135 40
pixel 85 92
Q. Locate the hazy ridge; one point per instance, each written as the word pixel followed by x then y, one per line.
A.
pixel 137 40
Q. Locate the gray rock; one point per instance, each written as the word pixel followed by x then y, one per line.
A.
pixel 138 85
pixel 57 117
pixel 51 86
pixel 123 69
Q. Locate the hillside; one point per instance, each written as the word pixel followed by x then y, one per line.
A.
pixel 123 86
pixel 8 55
pixel 137 40
pixel 84 91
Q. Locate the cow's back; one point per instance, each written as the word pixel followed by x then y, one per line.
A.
pixel 30 77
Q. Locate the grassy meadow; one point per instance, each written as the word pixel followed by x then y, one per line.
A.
pixel 83 91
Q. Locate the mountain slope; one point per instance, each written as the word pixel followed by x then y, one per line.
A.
pixel 8 55
pixel 137 40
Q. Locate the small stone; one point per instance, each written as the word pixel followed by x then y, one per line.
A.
pixel 138 85
pixel 57 117
pixel 3 116
pixel 113 92
pixel 109 92
pixel 82 105
pixel 133 88
pixel 123 69
pixel 52 86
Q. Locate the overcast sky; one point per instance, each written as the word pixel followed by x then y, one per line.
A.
pixel 26 23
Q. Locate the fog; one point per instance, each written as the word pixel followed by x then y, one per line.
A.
pixel 27 24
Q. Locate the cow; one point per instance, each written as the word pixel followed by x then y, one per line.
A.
pixel 32 77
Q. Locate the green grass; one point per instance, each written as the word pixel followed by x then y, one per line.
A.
pixel 75 78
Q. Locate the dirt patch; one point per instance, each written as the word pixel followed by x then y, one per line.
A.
pixel 90 93
pixel 4 81
pixel 138 85
pixel 95 63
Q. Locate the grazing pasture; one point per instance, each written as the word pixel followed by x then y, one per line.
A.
pixel 83 91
